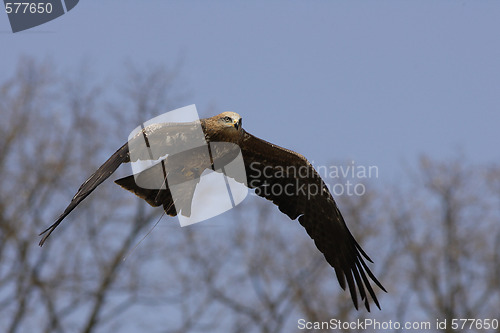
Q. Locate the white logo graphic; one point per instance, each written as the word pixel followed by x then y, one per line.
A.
pixel 169 153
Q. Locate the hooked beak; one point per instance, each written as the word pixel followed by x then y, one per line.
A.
pixel 237 124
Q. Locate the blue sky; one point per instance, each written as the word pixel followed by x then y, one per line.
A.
pixel 377 82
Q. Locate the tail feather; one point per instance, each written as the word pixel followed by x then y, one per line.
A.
pixel 154 197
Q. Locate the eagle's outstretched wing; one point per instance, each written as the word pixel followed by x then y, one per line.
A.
pixel 164 137
pixel 288 180
pixel 110 166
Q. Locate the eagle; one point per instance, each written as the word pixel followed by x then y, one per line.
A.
pixel 317 213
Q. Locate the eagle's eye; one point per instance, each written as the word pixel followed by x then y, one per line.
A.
pixel 227 119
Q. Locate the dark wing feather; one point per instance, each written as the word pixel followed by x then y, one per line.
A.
pixel 119 157
pixel 288 180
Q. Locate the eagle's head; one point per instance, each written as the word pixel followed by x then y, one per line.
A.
pixel 230 120
pixel 224 127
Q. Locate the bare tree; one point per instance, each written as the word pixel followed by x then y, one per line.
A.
pixel 49 143
pixel 435 241
pixel 450 239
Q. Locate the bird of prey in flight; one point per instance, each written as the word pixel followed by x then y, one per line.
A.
pixel 317 213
